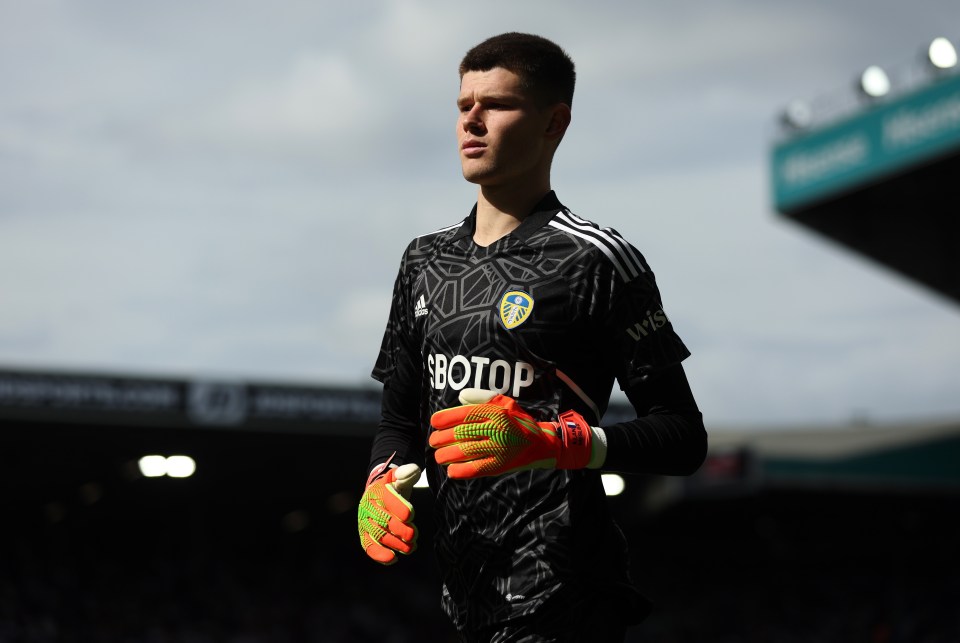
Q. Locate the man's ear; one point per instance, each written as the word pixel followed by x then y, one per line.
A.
pixel 559 121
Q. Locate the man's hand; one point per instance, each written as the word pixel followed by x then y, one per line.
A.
pixel 491 435
pixel 385 515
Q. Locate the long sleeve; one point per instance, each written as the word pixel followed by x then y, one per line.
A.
pixel 667 437
pixel 399 431
pixel 399 368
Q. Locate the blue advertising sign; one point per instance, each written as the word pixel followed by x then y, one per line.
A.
pixel 889 138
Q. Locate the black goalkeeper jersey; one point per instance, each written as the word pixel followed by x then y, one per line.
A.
pixel 551 314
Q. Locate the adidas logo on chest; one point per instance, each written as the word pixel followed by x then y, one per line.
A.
pixel 420 309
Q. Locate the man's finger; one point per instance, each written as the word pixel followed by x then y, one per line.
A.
pixel 402 530
pixel 400 546
pixel 466 470
pixel 445 437
pixel 381 554
pixel 452 453
pixel 395 504
pixel 449 418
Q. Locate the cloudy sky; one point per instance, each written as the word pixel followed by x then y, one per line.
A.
pixel 221 188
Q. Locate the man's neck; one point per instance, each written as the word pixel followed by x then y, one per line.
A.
pixel 500 211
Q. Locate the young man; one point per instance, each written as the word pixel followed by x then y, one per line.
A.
pixel 504 339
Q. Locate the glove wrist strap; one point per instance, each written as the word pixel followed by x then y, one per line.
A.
pixel 379 470
pixel 577 441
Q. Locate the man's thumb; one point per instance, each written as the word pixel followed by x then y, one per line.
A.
pixel 405 476
pixel 476 396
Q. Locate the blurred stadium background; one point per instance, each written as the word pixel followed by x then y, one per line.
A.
pixel 827 533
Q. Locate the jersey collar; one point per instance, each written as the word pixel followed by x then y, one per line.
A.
pixel 539 216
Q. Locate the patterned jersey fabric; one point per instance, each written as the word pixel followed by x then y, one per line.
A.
pixel 552 314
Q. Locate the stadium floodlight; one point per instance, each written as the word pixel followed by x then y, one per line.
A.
pixel 612 484
pixel 176 466
pixel 874 82
pixel 797 115
pixel 153 466
pixel 942 54
pixel 181 466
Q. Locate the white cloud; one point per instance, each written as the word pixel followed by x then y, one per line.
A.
pixel 321 97
pixel 192 194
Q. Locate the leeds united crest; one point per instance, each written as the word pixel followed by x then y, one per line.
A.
pixel 515 307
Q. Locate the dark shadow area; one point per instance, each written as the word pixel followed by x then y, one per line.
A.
pixel 260 545
pixel 906 223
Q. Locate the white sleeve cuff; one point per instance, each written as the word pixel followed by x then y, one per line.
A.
pixel 598 452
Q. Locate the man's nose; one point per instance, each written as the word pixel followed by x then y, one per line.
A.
pixel 472 120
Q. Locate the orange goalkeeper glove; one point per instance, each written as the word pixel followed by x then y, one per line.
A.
pixel 385 515
pixel 491 435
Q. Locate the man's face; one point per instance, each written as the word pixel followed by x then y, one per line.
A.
pixel 501 133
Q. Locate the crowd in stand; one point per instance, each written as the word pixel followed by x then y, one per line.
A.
pixel 718 572
pixel 275 590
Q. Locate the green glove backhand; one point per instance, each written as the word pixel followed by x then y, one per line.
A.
pixel 491 435
pixel 385 515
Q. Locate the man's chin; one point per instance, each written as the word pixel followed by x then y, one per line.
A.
pixel 477 178
pixel 475 170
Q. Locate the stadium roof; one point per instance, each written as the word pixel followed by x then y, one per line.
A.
pixel 908 453
pixel 882 182
pixel 832 442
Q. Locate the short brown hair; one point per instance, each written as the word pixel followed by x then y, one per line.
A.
pixel 543 67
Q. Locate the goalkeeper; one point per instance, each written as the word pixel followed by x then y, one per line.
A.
pixel 506 334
